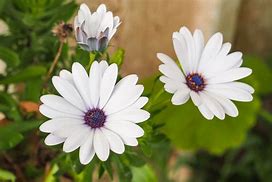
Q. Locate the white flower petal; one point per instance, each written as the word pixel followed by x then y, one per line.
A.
pixel 107 84
pixel 180 97
pixel 103 65
pixel 52 113
pixel 125 128
pixel 58 123
pixel 60 104
pixel 225 49
pixel 238 85
pixel 181 52
pixel 67 130
pixel 139 103
pixel 67 75
pixel 95 78
pixel 69 92
pixel 133 115
pixel 213 105
pixel 107 22
pixel 233 94
pixel 86 151
pixel 205 111
pixel 101 145
pixel 170 68
pixel 76 139
pixel 123 96
pixel 199 45
pixel 85 10
pixel 92 24
pixel 195 98
pixel 53 140
pixel 171 73
pixel 171 85
pixel 101 9
pixel 81 80
pixel 129 141
pixel 228 106
pixel 115 142
pixel 230 75
pixel 225 63
pixel 116 22
pixel 191 48
pixel 210 51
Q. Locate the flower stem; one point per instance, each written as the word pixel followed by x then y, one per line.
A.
pixel 55 61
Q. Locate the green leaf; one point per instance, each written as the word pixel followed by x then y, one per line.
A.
pixel 9 138
pixel 13 111
pixel 22 126
pixel 135 159
pixel 143 174
pixel 24 75
pixel 33 89
pixel 261 75
pixel 147 150
pixel 10 57
pixel 7 176
pixel 124 171
pixel 83 57
pixel 189 130
pixel 118 57
pixel 10 134
pixel 101 171
pixel 108 167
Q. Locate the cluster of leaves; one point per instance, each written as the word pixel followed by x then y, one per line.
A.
pixel 28 49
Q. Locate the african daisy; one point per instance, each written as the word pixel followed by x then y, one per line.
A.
pixel 94 113
pixel 208 74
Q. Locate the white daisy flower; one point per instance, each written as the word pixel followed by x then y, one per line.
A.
pixel 93 112
pixel 94 30
pixel 208 76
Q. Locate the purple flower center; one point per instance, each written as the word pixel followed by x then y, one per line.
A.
pixel 195 82
pixel 95 118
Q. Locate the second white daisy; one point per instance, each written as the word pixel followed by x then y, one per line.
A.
pixel 93 112
pixel 208 76
pixel 94 30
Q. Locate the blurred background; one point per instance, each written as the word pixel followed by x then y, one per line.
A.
pixel 196 150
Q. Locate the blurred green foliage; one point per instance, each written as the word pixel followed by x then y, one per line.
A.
pixel 250 162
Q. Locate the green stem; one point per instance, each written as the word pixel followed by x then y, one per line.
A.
pixel 153 99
